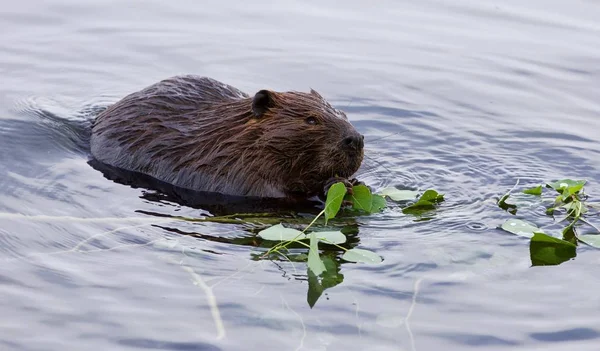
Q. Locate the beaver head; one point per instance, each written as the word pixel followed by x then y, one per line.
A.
pixel 304 140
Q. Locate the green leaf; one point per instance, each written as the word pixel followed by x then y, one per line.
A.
pixel 361 255
pixel 558 200
pixel 591 239
pixel 547 251
pixel 432 196
pixel 362 198
pixel 560 185
pixel 399 195
pixel 315 264
pixel 418 207
pixel 426 202
pixel 280 233
pixel 331 237
pixel 569 191
pixel 335 196
pixel 533 191
pixel 510 208
pixel 520 227
pixel 378 203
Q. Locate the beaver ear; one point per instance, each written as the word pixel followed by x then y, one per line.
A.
pixel 263 100
pixel 314 92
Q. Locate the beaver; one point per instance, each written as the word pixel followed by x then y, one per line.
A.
pixel 198 133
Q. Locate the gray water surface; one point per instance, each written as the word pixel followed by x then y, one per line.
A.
pixel 465 97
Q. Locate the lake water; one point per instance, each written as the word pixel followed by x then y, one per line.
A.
pixel 465 97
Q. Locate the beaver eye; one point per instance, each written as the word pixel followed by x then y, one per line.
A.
pixel 311 120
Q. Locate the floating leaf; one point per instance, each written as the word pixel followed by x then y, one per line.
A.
pixel 591 239
pixel 547 251
pixel 533 191
pixel 572 185
pixel 377 203
pixel 419 206
pixel 361 255
pixel 315 264
pixel 399 195
pixel 426 202
pixel 567 193
pixel 335 196
pixel 280 233
pixel 432 196
pixel 520 227
pixel 331 237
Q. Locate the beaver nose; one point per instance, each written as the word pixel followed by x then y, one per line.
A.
pixel 354 142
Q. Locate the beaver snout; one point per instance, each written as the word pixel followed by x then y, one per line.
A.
pixel 354 142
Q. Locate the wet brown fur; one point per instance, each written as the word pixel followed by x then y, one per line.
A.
pixel 198 133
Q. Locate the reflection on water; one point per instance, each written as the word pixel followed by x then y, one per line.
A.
pixel 464 97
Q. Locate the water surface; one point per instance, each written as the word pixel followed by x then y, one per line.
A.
pixel 465 97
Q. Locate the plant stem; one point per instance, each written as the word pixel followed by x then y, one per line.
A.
pixel 314 220
pixel 286 243
pixel 514 187
pixel 303 244
pixel 336 245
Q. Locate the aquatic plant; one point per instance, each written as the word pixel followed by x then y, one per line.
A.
pixel 570 200
pixel 322 270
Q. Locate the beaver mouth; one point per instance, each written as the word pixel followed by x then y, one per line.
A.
pixel 347 165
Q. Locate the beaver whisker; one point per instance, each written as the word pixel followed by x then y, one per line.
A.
pixel 383 137
pixel 390 172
